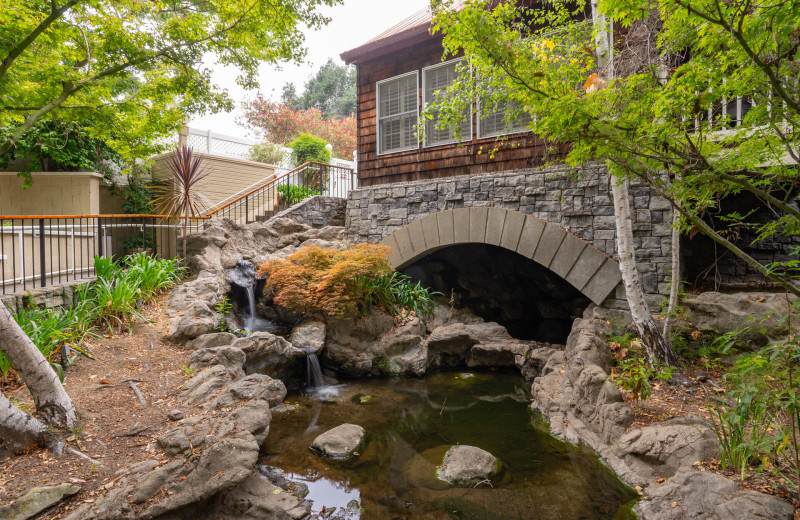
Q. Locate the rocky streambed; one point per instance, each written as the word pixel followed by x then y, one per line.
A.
pixel 212 464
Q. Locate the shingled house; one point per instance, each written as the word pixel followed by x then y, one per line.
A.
pixel 398 72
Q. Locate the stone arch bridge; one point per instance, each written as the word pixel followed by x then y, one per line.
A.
pixel 561 218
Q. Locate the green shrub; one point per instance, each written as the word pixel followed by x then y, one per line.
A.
pixel 266 152
pixel 137 195
pixel 631 372
pixel 153 274
pixel 395 293
pixel 309 148
pixel 288 195
pixel 758 424
pixel 110 300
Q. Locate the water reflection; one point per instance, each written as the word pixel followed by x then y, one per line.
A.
pixel 410 424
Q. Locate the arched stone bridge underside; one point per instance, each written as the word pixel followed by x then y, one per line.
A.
pixel 582 265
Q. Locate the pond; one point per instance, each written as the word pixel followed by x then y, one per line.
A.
pixel 411 423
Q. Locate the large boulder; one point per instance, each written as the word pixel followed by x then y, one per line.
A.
pixel 256 498
pixel 191 306
pixel 214 339
pixel 340 443
pixel 352 347
pixel 230 357
pixel 694 494
pixel 722 312
pixel 467 465
pixel 272 355
pixel 574 391
pixel 660 449
pixel 450 345
pixel 309 336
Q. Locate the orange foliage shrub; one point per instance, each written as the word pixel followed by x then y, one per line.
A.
pixel 334 282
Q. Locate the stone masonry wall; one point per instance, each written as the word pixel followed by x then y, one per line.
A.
pixel 578 200
pixel 317 211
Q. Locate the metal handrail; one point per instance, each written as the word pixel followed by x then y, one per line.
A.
pixel 275 181
pixel 105 215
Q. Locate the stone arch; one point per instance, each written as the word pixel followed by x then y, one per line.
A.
pixel 577 261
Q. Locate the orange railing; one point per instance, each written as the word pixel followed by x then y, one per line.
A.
pixel 308 179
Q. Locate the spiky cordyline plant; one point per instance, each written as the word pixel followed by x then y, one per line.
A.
pixel 180 195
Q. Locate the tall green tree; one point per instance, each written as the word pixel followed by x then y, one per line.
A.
pixel 135 69
pixel 332 90
pixel 657 102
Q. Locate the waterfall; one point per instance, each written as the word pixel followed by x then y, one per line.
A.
pixel 244 276
pixel 313 372
pixel 251 320
pixel 315 384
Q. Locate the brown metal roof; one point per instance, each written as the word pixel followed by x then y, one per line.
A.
pixel 413 29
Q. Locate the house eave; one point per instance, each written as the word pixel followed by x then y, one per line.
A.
pixel 388 45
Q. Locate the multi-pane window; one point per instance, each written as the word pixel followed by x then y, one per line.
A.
pixel 438 78
pixel 495 120
pixel 397 113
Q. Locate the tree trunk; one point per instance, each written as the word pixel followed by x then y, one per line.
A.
pixel 18 430
pixel 675 282
pixel 655 345
pixel 52 401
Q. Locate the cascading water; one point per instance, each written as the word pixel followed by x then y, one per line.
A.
pixel 315 383
pixel 244 276
pixel 314 372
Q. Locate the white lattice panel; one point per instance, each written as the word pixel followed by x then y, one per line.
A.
pixel 198 143
pixel 221 146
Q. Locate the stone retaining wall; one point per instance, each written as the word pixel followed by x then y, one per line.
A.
pixel 317 211
pixel 576 199
pixel 61 296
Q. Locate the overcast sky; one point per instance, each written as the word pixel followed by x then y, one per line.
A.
pixel 352 24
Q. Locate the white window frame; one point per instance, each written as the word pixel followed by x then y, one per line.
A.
pixel 496 134
pixel 415 73
pixel 425 91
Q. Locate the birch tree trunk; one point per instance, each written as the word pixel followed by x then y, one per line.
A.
pixel 52 401
pixel 655 345
pixel 18 430
pixel 675 282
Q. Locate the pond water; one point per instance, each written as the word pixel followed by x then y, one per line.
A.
pixel 411 423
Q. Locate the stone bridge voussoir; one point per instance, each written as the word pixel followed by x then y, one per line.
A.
pixel 577 261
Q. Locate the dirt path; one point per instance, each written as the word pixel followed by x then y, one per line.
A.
pixel 116 430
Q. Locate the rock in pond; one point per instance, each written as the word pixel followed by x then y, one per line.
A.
pixel 339 443
pixel 467 465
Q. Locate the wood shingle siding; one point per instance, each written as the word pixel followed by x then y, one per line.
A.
pixel 514 151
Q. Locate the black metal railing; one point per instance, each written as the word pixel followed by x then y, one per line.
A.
pixel 275 195
pixel 45 250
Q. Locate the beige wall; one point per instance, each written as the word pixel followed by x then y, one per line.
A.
pixel 66 193
pixel 109 204
pixel 227 177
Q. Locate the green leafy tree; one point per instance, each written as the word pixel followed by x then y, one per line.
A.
pixel 309 148
pixel 332 90
pixel 649 102
pixel 266 152
pixel 135 68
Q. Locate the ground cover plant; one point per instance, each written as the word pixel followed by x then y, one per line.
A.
pixel 110 301
pixel 344 283
pixel 757 421
pixel 288 194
